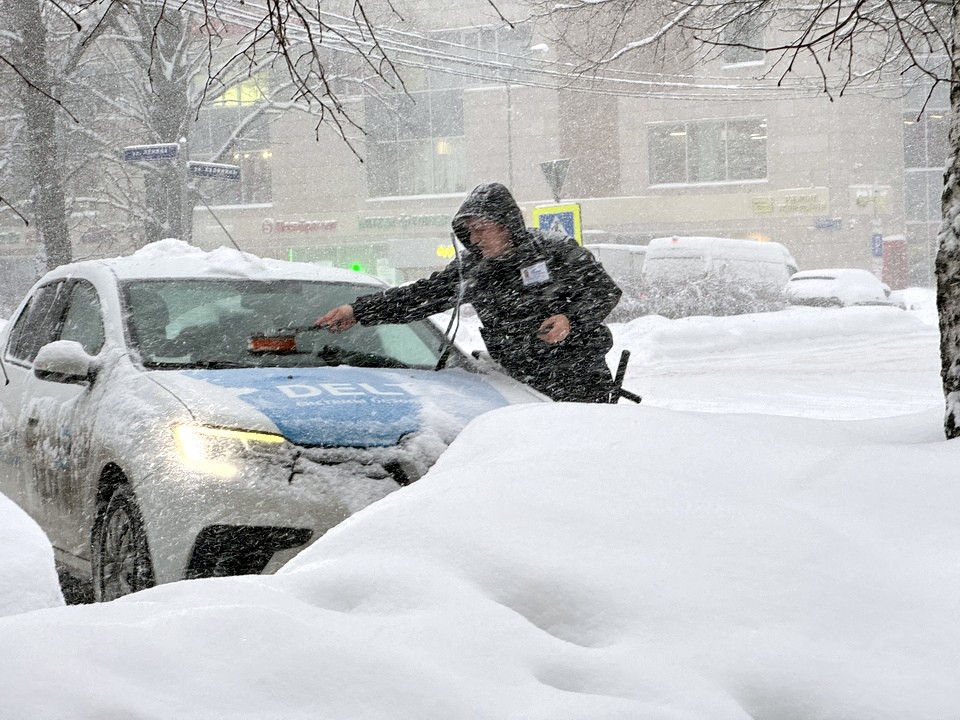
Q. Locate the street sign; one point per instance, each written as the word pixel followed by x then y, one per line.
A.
pixel 213 170
pixel 828 223
pixel 163 151
pixel 555 171
pixel 562 219
pixel 876 244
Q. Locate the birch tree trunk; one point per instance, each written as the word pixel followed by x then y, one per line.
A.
pixel 43 148
pixel 948 252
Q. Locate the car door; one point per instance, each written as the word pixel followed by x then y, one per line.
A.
pixel 59 421
pixel 35 326
pixel 51 420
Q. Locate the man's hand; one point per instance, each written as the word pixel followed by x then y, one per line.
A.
pixel 554 329
pixel 338 319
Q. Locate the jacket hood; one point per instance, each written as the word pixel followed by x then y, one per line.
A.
pixel 490 201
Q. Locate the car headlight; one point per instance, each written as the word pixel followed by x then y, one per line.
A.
pixel 220 451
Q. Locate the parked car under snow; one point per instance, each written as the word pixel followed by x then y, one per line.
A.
pixel 173 414
pixel 838 287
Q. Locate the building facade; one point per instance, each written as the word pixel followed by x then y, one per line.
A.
pixel 850 182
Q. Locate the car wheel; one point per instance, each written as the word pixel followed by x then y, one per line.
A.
pixel 121 557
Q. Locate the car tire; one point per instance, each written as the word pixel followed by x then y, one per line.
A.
pixel 121 555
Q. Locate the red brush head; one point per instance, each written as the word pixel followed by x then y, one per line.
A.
pixel 282 343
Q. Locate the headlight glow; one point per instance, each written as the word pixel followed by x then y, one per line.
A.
pixel 220 451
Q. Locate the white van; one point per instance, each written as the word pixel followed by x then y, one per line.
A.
pixel 766 265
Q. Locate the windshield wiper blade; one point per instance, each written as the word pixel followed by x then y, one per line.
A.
pixel 215 364
pixel 333 355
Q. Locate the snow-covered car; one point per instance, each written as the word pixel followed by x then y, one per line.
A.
pixel 173 414
pixel 838 287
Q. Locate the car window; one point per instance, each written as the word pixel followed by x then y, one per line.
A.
pixel 83 321
pixel 406 346
pixel 191 322
pixel 39 322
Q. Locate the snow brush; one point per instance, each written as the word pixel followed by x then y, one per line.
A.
pixel 279 341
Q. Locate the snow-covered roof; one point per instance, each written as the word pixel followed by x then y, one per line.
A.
pixel 835 274
pixel 616 246
pixel 176 258
pixel 718 247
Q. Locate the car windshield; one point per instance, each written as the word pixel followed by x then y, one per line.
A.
pixel 215 323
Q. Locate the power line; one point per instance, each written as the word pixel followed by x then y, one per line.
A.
pixel 437 54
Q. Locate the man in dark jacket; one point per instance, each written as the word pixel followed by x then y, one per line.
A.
pixel 541 299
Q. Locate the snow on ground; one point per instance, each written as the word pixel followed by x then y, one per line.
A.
pixel 26 564
pixel 790 553
pixel 784 362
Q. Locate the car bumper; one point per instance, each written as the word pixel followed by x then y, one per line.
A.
pixel 198 525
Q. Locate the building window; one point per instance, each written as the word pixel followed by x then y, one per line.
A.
pixel 926 109
pixel 745 33
pixel 234 129
pixel 925 150
pixel 415 141
pixel 707 151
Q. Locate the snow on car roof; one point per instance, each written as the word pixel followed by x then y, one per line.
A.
pixel 616 246
pixel 832 274
pixel 176 258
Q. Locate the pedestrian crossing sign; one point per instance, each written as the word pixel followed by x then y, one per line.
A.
pixel 559 219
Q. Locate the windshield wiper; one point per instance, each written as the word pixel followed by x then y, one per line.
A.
pixel 333 355
pixel 215 364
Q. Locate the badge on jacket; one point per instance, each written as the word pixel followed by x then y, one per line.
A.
pixel 535 274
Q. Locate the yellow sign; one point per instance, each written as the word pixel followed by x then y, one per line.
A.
pixel 564 219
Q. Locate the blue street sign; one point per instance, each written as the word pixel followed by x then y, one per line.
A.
pixel 213 170
pixel 557 222
pixel 560 219
pixel 164 151
pixel 876 245
pixel 827 223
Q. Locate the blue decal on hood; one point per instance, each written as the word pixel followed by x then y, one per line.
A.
pixel 354 407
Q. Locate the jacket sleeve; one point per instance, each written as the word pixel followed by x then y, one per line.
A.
pixel 587 293
pixel 407 303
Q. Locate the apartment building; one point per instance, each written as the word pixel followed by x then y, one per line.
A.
pixel 652 151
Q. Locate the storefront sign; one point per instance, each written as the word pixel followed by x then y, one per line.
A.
pixel 388 222
pixel 270 226
pixel 792 203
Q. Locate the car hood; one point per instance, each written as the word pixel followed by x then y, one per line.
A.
pixel 334 406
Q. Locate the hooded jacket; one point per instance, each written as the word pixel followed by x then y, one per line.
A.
pixel 540 276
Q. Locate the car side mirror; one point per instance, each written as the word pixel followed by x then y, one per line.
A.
pixel 64 361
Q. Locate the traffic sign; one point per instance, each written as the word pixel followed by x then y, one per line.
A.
pixel 876 244
pixel 218 171
pixel 163 151
pixel 555 171
pixel 559 219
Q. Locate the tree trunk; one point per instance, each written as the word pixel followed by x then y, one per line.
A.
pixel 43 147
pixel 170 213
pixel 948 253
